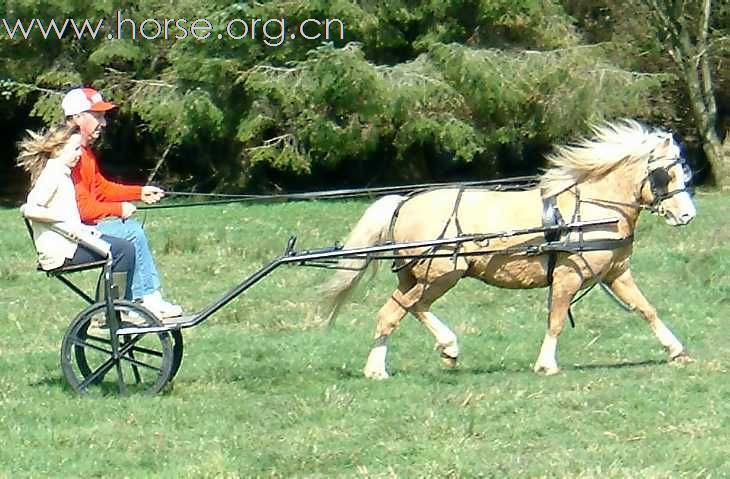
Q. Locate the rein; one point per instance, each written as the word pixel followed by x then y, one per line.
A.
pixel 518 182
pixel 654 177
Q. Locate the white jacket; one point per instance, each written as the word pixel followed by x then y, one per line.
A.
pixel 54 214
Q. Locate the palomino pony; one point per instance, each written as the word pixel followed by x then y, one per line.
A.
pixel 623 168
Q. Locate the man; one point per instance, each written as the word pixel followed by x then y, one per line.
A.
pixel 107 204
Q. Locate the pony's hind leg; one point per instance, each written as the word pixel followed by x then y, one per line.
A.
pixel 416 298
pixel 626 289
pixel 446 341
pixel 389 318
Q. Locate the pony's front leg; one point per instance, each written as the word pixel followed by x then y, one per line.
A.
pixel 563 291
pixel 625 288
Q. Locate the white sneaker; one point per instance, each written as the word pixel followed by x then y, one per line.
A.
pixel 161 308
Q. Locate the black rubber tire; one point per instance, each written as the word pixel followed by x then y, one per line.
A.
pixel 177 351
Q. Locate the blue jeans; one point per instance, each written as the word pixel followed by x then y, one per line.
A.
pixel 146 278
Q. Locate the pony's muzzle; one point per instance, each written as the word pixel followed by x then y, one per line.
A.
pixel 686 218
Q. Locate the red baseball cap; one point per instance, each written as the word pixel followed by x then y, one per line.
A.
pixel 80 100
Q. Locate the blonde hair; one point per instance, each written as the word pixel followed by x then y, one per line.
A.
pixel 37 148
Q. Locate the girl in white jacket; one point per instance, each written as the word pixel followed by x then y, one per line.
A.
pixel 60 237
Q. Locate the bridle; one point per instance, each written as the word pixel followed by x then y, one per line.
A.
pixel 658 179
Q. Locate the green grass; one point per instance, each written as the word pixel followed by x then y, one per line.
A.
pixel 265 390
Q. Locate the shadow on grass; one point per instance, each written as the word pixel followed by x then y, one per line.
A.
pixel 626 364
pixel 106 389
pixel 501 369
pixel 264 380
pixel 53 381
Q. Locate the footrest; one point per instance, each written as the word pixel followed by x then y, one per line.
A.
pixel 168 324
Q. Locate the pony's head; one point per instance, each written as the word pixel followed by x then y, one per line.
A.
pixel 661 176
pixel 666 185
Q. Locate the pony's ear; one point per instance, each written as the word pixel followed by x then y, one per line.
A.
pixel 665 146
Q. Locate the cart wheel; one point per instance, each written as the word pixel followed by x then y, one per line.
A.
pixel 177 355
pixel 146 360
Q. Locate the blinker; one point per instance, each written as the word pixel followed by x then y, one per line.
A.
pixel 659 180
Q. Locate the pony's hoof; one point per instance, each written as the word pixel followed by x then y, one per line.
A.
pixel 546 370
pixel 448 361
pixel 682 358
pixel 377 375
pixel 449 354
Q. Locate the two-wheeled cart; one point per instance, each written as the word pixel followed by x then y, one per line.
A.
pixel 118 346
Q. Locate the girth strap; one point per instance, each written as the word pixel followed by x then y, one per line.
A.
pixel 551 217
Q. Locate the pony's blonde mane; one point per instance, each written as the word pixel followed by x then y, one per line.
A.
pixel 622 144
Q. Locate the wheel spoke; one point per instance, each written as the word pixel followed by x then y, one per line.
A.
pixel 83 344
pixel 135 369
pixel 143 350
pixel 127 345
pixel 136 362
pixel 120 379
pixel 105 366
pixel 98 339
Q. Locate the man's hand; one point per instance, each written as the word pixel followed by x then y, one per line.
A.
pixel 152 194
pixel 128 210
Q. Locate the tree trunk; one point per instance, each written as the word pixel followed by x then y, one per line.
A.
pixel 718 159
pixel 716 155
pixel 706 119
pixel 694 65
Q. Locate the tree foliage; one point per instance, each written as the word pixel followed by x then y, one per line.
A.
pixel 414 90
pixel 689 41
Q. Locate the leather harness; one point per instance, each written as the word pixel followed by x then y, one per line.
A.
pixel 551 218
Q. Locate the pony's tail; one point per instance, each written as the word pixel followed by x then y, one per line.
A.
pixel 371 229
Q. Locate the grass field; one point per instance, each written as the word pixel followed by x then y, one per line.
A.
pixel 266 391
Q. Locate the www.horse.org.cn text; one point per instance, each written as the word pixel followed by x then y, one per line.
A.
pixel 272 32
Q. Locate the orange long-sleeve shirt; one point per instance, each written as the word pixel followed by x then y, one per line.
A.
pixel 97 197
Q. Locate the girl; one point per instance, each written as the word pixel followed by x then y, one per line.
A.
pixel 51 207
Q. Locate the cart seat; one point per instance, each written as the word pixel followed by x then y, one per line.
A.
pixel 59 272
pixel 72 268
pixel 63 269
